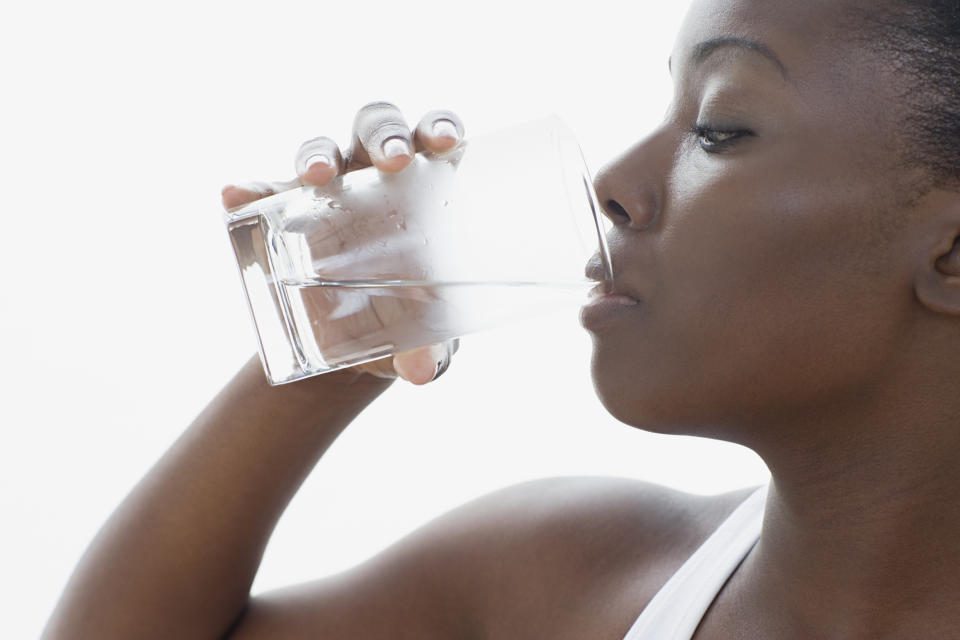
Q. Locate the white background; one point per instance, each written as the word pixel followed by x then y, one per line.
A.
pixel 122 312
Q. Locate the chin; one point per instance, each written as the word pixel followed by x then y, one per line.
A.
pixel 631 410
pixel 652 404
pixel 623 392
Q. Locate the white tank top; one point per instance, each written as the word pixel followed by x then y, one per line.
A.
pixel 675 612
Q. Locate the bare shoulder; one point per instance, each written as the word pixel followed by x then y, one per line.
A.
pixel 601 511
pixel 581 556
pixel 567 557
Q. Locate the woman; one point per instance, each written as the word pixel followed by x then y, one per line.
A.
pixel 792 234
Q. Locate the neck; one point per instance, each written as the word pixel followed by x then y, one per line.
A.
pixel 860 534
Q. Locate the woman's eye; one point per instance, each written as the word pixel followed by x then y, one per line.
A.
pixel 715 140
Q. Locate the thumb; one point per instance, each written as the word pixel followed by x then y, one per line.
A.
pixel 425 364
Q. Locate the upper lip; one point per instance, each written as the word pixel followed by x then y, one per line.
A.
pixel 595 270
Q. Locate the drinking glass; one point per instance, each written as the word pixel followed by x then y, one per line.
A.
pixel 497 229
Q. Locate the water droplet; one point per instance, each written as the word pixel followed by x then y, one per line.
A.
pixel 402 225
pixel 446 202
pixel 392 213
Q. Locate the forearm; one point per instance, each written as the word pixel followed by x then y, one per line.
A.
pixel 177 558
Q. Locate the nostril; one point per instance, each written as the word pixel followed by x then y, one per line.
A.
pixel 615 208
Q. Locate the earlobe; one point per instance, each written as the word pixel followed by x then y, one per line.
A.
pixel 938 284
pixel 949 264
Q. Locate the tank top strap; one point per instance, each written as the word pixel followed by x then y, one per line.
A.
pixel 676 610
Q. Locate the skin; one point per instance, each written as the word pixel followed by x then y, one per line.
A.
pixel 795 303
pixel 798 296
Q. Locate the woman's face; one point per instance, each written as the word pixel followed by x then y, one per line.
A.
pixel 759 228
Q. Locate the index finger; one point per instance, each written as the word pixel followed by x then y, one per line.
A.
pixel 382 138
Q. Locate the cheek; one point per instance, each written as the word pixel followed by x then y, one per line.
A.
pixel 764 300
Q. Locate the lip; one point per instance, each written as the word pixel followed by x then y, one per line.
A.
pixel 605 308
pixel 596 270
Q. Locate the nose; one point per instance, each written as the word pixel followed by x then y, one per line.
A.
pixel 630 188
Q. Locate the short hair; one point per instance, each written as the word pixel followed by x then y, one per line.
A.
pixel 921 40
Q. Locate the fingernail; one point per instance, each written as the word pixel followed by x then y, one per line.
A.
pixel 444 355
pixel 444 129
pixel 319 158
pixel 442 367
pixel 394 147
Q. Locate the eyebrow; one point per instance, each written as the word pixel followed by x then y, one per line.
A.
pixel 703 51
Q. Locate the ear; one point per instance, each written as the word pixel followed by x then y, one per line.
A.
pixel 937 284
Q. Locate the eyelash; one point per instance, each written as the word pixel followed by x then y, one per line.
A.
pixel 704 132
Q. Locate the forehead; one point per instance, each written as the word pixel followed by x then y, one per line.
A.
pixel 844 106
pixel 834 77
pixel 807 35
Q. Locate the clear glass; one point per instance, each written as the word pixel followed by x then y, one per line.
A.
pixel 497 229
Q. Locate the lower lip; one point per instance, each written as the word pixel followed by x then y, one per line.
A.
pixel 606 309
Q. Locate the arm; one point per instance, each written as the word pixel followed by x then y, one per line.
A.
pixel 178 556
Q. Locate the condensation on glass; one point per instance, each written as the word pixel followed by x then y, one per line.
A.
pixel 498 229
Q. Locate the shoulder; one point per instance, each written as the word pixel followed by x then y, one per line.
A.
pixel 603 510
pixel 558 544
pixel 563 558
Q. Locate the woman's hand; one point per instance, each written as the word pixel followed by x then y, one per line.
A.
pixel 381 138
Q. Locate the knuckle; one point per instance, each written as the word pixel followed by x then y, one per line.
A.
pixel 322 143
pixel 378 121
pixel 377 105
pixel 380 131
pixel 375 112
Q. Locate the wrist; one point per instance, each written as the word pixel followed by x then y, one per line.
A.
pixel 347 390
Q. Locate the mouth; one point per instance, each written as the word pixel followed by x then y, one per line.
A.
pixel 603 288
pixel 596 270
